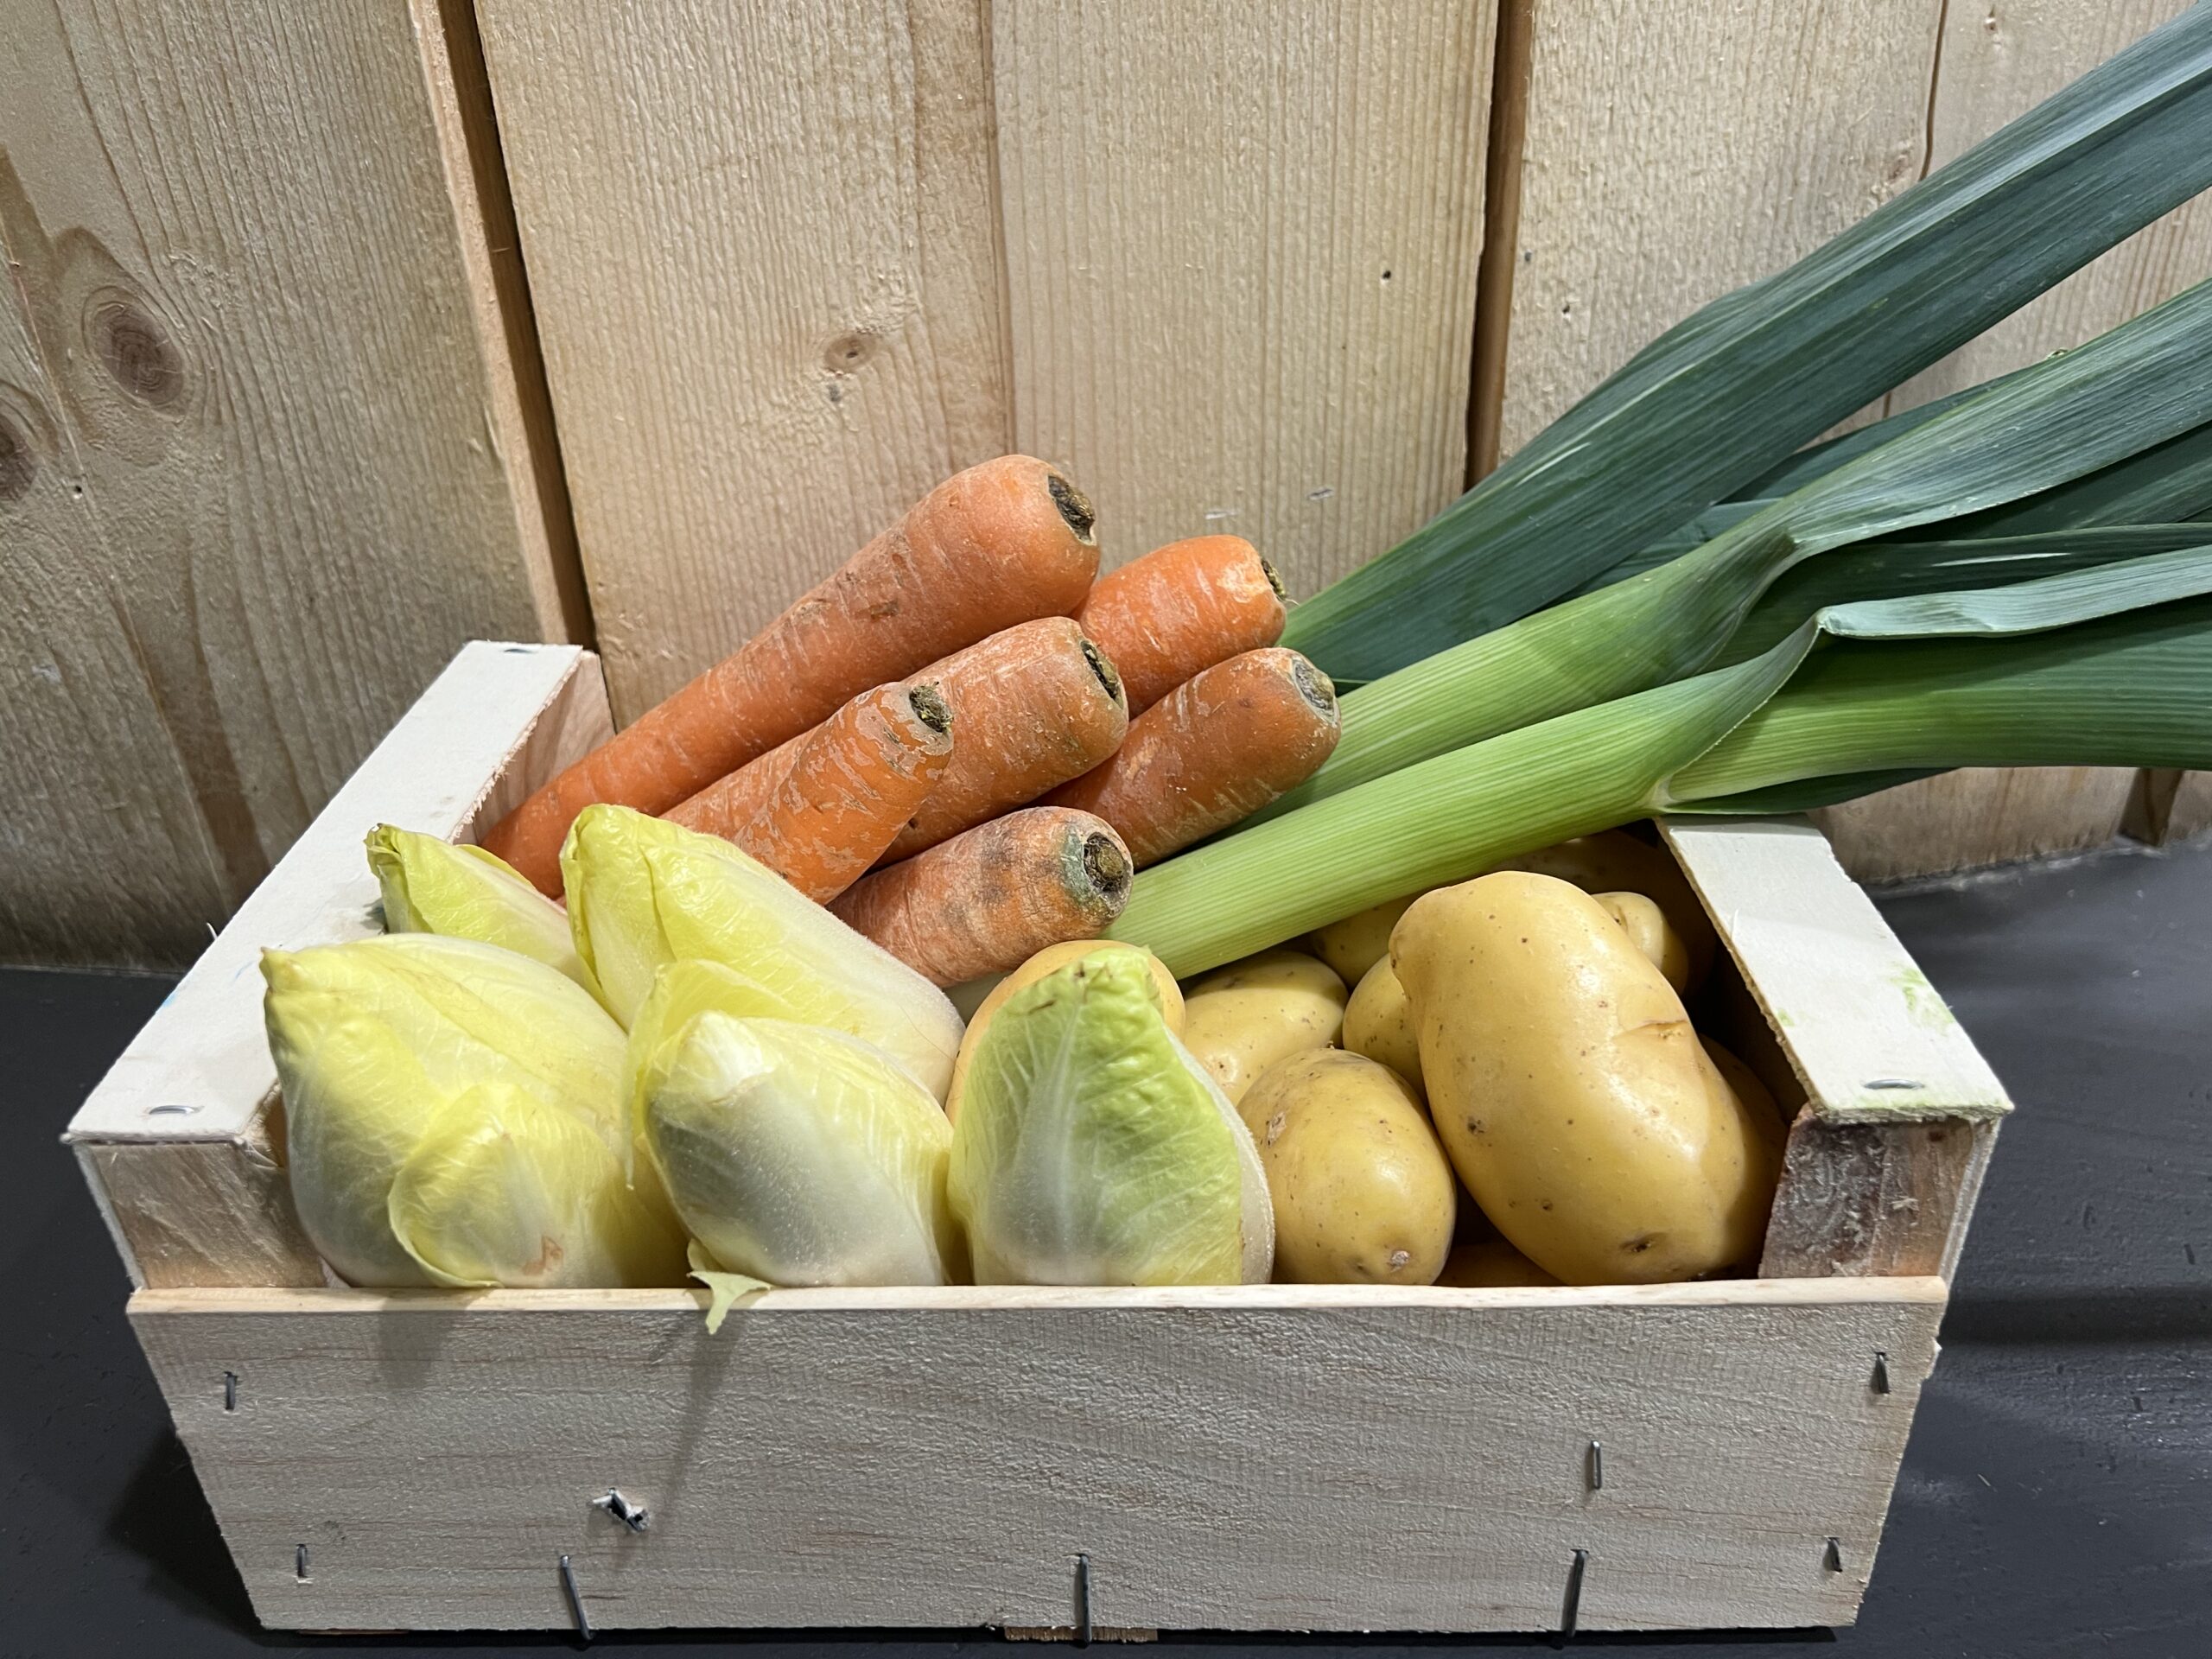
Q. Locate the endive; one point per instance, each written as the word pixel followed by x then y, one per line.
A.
pixel 2110 664
pixel 375 1039
pixel 643 893
pixel 800 1156
pixel 503 1189
pixel 431 885
pixel 1091 1149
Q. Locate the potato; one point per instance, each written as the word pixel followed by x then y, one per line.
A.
pixel 1613 861
pixel 1240 1020
pixel 1051 958
pixel 1757 1099
pixel 1491 1264
pixel 1379 1023
pixel 1570 1090
pixel 1363 1194
pixel 1357 942
pixel 1651 933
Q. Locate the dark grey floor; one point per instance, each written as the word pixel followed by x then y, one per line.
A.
pixel 2056 1499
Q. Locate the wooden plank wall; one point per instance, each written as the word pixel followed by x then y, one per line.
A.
pixel 1670 152
pixel 266 454
pixel 1218 260
pixel 274 437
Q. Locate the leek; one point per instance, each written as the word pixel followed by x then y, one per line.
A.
pixel 2140 384
pixel 1731 390
pixel 2141 694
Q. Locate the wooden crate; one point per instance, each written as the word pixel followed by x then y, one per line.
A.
pixel 1255 1458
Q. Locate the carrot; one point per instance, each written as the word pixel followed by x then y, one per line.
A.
pixel 734 800
pixel 1035 706
pixel 1180 609
pixel 994 545
pixel 988 900
pixel 1219 746
pixel 849 786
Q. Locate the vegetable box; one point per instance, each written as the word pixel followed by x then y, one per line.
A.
pixel 1272 1457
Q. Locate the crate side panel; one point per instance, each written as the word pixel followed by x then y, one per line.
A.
pixel 204 1051
pixel 190 1213
pixel 1864 1200
pixel 1399 1466
pixel 1868 1035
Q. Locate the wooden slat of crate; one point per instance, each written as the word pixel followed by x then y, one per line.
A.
pixel 1884 1164
pixel 198 1081
pixel 265 453
pixel 1869 1037
pixel 1260 1457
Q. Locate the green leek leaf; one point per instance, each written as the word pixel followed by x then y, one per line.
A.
pixel 1731 390
pixel 2066 417
pixel 2006 675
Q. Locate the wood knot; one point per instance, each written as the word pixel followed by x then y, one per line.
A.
pixel 846 353
pixel 132 345
pixel 17 466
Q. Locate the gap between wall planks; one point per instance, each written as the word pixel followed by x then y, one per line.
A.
pixel 794 264
pixel 265 460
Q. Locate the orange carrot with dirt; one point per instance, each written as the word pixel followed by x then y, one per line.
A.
pixel 1217 748
pixel 988 900
pixel 848 788
pixel 734 800
pixel 1180 609
pixel 1034 706
pixel 997 545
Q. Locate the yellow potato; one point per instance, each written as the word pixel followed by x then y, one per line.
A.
pixel 1613 861
pixel 1490 1263
pixel 1049 960
pixel 1757 1099
pixel 1379 1023
pixel 1570 1090
pixel 1357 942
pixel 1240 1020
pixel 1363 1194
pixel 1650 932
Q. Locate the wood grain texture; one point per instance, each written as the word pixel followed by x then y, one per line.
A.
pixel 1673 153
pixel 179 1140
pixel 1866 1034
pixel 1266 1457
pixel 763 249
pixel 1977 816
pixel 263 464
pixel 1241 241
pixel 1860 1200
pixel 202 1212
pixel 2169 806
pixel 2000 59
